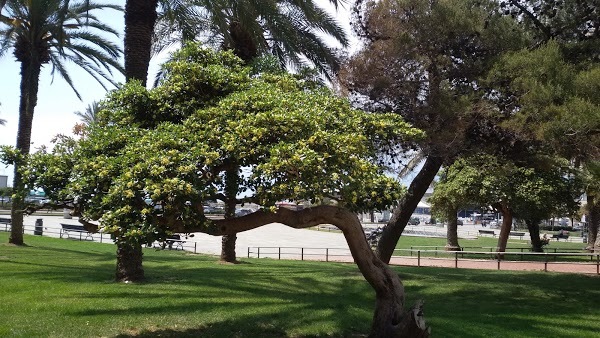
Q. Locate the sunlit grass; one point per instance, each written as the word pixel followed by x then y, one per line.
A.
pixel 64 288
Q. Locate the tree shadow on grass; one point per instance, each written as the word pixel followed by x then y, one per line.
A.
pixel 230 328
pixel 224 329
pixel 505 304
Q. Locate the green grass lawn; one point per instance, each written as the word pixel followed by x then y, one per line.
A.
pixel 64 288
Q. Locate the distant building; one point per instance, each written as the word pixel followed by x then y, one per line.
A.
pixel 3 181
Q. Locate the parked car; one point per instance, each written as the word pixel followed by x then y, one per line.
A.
pixel 459 222
pixel 414 221
pixel 242 212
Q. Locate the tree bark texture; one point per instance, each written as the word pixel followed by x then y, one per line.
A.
pixel 140 17
pixel 129 262
pixel 593 243
pixel 507 219
pixel 401 215
pixel 389 319
pixel 534 232
pixel 452 232
pixel 231 187
pixel 30 76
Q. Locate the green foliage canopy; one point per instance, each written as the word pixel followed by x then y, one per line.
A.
pixel 531 193
pixel 156 156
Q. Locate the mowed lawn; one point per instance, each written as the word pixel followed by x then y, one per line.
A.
pixel 64 288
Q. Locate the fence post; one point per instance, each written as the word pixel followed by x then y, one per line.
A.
pixel 258 252
pixel 195 246
pixel 456 259
pixel 326 254
pixel 598 264
pixel 521 253
pixel 498 257
pixel 279 253
pixel 419 258
pixel 248 252
pixel 301 254
pixel 100 237
pixel 546 262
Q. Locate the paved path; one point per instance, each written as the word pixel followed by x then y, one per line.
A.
pixel 272 237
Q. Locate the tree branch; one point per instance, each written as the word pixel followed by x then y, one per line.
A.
pixel 533 18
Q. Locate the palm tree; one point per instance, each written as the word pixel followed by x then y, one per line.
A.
pixel 291 30
pixel 294 31
pixel 52 32
pixel 90 115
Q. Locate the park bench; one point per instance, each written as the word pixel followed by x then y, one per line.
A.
pixel 171 241
pixel 515 233
pixel 6 222
pixel 487 232
pixel 564 235
pixel 70 229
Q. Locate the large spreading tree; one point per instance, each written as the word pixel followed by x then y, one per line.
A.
pixel 293 32
pixel 141 179
pixel 56 33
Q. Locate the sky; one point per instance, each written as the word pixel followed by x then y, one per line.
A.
pixel 57 103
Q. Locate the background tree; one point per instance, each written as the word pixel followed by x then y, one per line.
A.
pixel 529 193
pixel 551 99
pixel 90 115
pixel 453 191
pixel 424 61
pixel 144 179
pixel 51 32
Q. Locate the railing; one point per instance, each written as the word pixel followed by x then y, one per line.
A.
pixel 489 249
pixel 96 237
pixel 500 257
pixel 584 262
pixel 463 258
pixel 298 253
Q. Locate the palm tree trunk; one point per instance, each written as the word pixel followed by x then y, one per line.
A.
pixel 452 232
pixel 394 228
pixel 140 17
pixel 30 76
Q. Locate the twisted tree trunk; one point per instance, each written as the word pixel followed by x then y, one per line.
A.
pixel 389 319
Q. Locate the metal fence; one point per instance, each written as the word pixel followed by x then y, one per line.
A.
pixel 546 261
pixel 577 262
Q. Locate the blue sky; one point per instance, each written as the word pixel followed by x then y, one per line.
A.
pixel 57 103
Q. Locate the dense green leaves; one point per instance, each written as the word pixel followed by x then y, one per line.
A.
pixel 156 155
pixel 530 193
